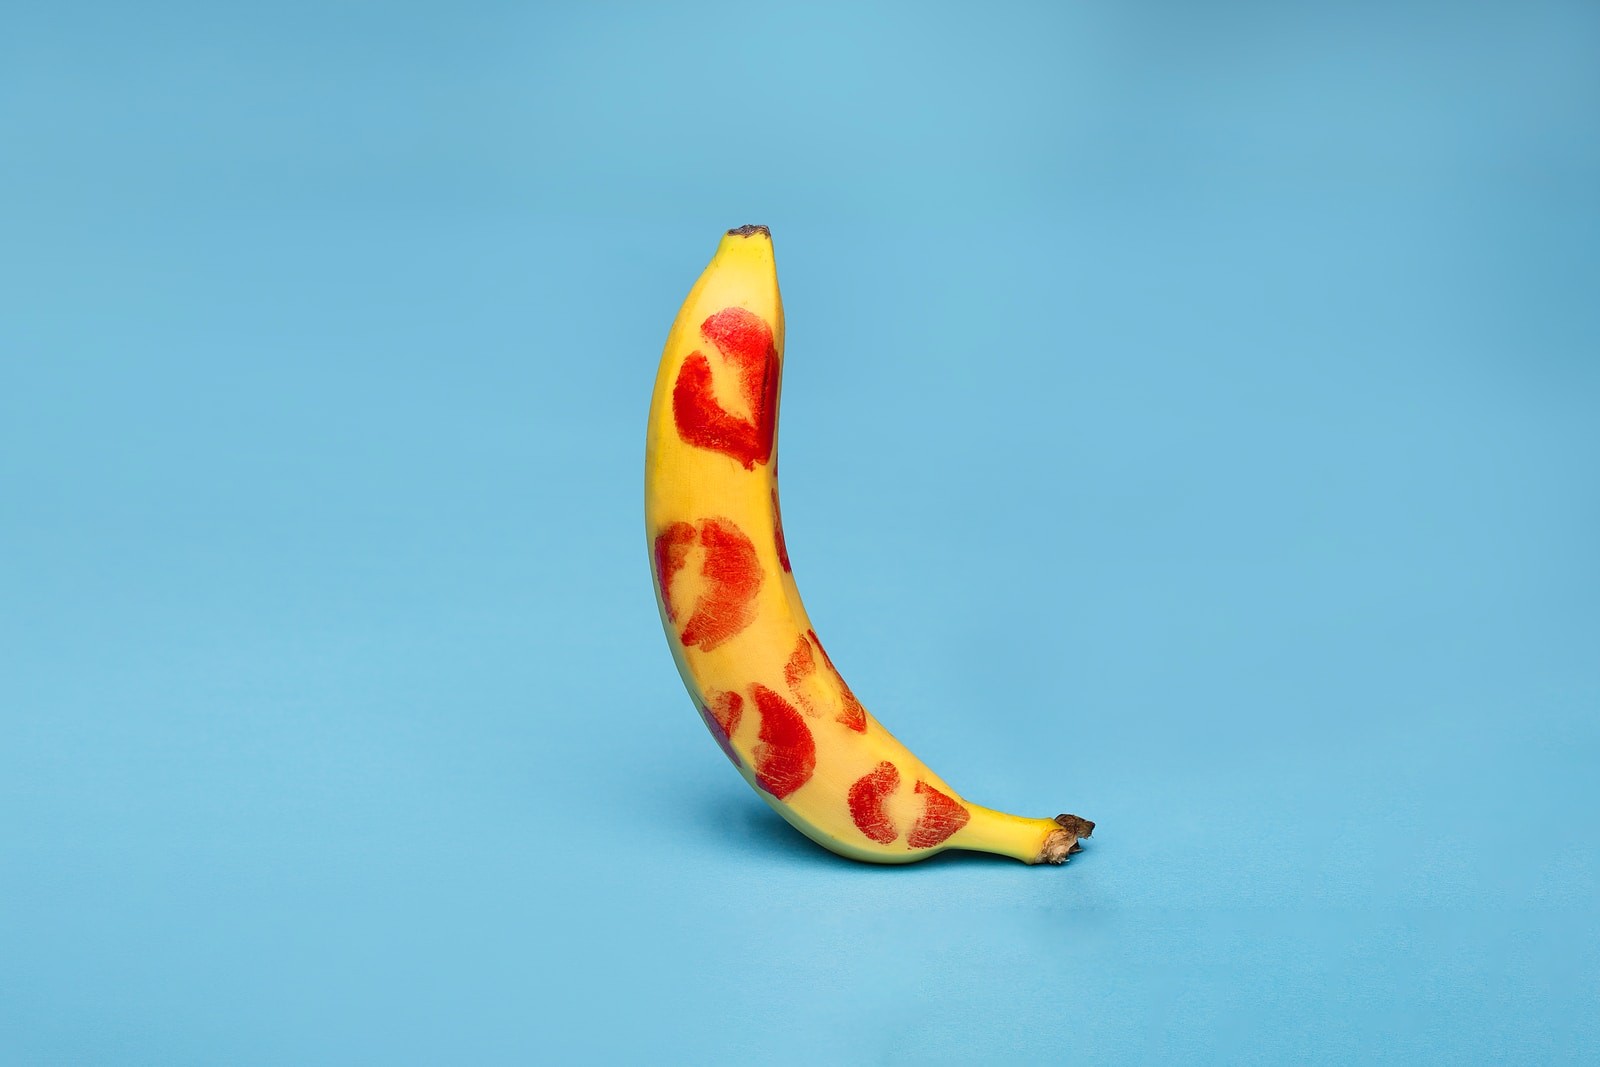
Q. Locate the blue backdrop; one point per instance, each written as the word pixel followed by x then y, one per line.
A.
pixel 1190 422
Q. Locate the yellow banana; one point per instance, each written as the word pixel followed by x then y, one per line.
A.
pixel 739 633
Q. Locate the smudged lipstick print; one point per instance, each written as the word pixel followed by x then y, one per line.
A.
pixel 744 344
pixel 730 573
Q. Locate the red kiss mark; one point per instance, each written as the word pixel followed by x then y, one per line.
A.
pixel 941 817
pixel 786 754
pixel 852 714
pixel 800 666
pixel 672 552
pixel 722 718
pixel 866 802
pixel 745 342
pixel 777 524
pixel 726 605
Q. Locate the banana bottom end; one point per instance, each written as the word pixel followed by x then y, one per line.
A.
pixel 1063 843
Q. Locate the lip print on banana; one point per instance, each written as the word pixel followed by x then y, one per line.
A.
pixel 744 344
pixel 728 580
pixel 816 689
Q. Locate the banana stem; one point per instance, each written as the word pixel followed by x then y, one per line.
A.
pixel 1028 840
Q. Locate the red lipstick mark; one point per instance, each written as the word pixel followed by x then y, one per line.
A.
pixel 803 664
pixel 745 342
pixel 941 817
pixel 866 802
pixel 672 551
pixel 726 605
pixel 786 754
pixel 852 714
pixel 722 718
pixel 800 666
pixel 777 524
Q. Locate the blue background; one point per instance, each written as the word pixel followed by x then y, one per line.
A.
pixel 1190 422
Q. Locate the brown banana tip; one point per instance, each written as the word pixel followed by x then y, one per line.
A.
pixel 1079 827
pixel 1063 843
pixel 750 231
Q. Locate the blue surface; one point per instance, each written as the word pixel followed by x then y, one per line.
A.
pixel 1190 423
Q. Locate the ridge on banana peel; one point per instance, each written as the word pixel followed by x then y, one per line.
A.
pixel 739 633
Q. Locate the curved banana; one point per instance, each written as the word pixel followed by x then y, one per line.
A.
pixel 739 633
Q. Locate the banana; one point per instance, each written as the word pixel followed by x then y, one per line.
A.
pixel 739 633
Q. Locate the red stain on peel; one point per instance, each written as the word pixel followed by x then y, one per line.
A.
pixel 866 802
pixel 786 754
pixel 941 816
pixel 722 719
pixel 800 666
pixel 727 708
pixel 803 664
pixel 852 714
pixel 739 335
pixel 732 574
pixel 777 525
pixel 745 342
pixel 672 551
